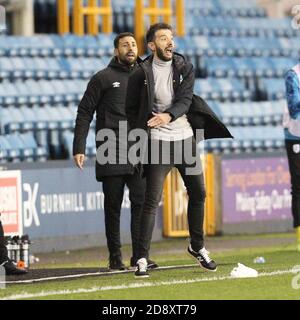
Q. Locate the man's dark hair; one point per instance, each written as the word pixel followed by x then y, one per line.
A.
pixel 155 27
pixel 120 36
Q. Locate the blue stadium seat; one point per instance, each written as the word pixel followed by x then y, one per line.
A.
pixel 5 67
pixel 273 89
pixel 3 151
pixel 23 96
pixel 33 91
pixel 13 153
pixel 8 93
pixel 105 44
pixel 40 153
pixel 26 152
pixel 229 89
pixel 90 151
pixel 29 119
pixel 10 120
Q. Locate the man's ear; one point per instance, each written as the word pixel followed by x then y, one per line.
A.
pixel 151 46
pixel 116 52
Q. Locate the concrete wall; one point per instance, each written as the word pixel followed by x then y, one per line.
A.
pixel 22 16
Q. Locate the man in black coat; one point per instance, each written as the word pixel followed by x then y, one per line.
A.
pixel 9 267
pixel 159 96
pixel 105 95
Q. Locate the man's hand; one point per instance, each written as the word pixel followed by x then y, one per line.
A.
pixel 159 119
pixel 79 159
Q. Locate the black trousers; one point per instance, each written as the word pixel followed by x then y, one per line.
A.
pixel 194 183
pixel 293 154
pixel 113 188
pixel 3 250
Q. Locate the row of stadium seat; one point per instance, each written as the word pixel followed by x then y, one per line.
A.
pixel 229 89
pixel 249 139
pixel 83 68
pixel 41 120
pixel 31 92
pixel 251 12
pixel 36 119
pixel 50 68
pixel 56 45
pixel 246 139
pixel 246 67
pixel 55 92
pixel 49 124
pixel 17 147
pixel 23 147
pixel 102 45
pixel 214 5
pixel 239 27
pixel 242 46
pixel 218 4
pixel 41 92
pixel 250 113
pixel 233 89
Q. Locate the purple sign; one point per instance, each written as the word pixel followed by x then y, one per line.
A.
pixel 255 189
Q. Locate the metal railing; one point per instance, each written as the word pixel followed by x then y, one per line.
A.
pixel 154 11
pixel 92 10
pixel 105 11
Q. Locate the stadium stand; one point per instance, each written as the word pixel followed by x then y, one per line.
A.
pixel 239 71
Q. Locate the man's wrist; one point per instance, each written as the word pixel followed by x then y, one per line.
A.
pixel 171 116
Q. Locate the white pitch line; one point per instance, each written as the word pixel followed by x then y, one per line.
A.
pixel 134 285
pixel 103 273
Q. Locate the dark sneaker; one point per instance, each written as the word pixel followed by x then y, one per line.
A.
pixel 203 258
pixel 141 269
pixel 12 269
pixel 115 263
pixel 151 264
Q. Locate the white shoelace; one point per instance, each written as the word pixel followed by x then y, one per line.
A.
pixel 142 265
pixel 205 255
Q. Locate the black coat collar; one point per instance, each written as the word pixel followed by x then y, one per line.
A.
pixel 114 63
pixel 178 61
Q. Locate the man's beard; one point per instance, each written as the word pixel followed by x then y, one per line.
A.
pixel 124 60
pixel 160 54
